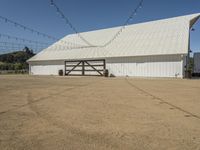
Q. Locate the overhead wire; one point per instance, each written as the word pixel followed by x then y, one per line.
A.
pixel 21 39
pixel 20 46
pixel 35 46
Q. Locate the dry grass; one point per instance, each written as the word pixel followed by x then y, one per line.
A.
pixel 56 113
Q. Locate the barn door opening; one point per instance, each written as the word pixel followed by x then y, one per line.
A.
pixel 85 67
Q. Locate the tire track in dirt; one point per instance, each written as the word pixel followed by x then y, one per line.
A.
pixel 41 99
pixel 162 100
pixel 97 138
pixel 108 140
pixel 31 102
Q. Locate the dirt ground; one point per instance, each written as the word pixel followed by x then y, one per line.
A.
pixel 87 113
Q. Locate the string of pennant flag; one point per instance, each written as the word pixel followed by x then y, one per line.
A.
pixel 69 23
pixel 129 19
pixel 16 24
pixel 68 44
pixel 65 44
pixel 21 39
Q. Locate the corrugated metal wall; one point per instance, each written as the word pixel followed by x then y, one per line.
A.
pixel 148 66
pixel 145 66
pixel 46 67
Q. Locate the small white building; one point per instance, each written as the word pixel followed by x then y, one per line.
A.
pixel 152 49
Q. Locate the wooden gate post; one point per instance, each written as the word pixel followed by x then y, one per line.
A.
pixel 83 68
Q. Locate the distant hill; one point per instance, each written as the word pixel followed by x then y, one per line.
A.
pixel 16 60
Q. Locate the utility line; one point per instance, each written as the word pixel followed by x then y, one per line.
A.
pixel 21 39
pixel 14 47
pixel 12 43
pixel 54 47
pixel 8 45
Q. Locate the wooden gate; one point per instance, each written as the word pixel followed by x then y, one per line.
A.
pixel 85 67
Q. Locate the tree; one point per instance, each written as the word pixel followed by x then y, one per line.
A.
pixel 16 60
pixel 18 66
pixel 28 51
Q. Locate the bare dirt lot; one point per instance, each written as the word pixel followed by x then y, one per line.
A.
pixel 83 113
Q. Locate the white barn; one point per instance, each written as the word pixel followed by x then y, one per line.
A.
pixel 152 49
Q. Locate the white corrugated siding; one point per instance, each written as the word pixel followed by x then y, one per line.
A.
pixel 151 49
pixel 46 67
pixel 148 66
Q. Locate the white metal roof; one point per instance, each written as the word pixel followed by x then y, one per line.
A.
pixel 162 37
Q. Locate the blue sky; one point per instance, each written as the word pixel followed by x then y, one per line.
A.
pixel 89 15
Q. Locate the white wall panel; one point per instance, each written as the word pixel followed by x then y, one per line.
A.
pixel 145 66
pixel 46 67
